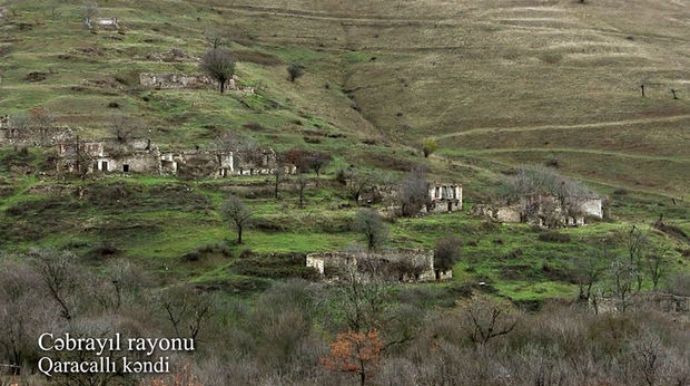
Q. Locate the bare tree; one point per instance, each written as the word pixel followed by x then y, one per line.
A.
pixel 23 308
pixel 90 9
pixel 656 265
pixel 624 275
pixel 302 182
pixel 237 215
pixel 357 182
pixel 123 127
pixel 44 120
pixel 369 223
pixel 188 310
pixel 217 39
pixel 227 142
pixel 446 252
pixel 21 124
pixel 219 64
pixel 638 245
pixel 56 270
pixel 588 270
pixel 362 303
pixel 84 159
pixel 648 354
pixel 533 180
pixel 317 161
pixel 413 194
pixel 122 281
pixel 280 176
pixel 489 320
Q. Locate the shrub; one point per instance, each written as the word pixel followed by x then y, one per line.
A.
pixel 514 254
pixel 554 237
pixel 429 147
pixel 446 252
pixel 295 70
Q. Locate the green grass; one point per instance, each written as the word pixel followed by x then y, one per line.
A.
pixel 499 84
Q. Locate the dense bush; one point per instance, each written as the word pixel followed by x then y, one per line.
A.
pixel 416 335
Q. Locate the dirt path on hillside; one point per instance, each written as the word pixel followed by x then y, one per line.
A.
pixel 675 159
pixel 497 130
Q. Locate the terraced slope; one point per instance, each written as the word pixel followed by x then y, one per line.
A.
pixel 497 83
pixel 549 74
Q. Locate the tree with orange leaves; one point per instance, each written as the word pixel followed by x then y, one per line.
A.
pixel 181 376
pixel 355 352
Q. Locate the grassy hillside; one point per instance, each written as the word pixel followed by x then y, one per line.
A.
pixel 497 83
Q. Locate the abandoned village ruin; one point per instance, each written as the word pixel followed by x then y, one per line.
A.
pixel 143 157
pixel 542 210
pixel 390 264
pixel 172 81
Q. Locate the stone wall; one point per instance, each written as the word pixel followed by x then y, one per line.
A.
pixel 11 135
pixel 593 209
pixel 662 301
pixel 162 81
pixel 147 79
pixel 392 264
pixel 112 23
pixel 444 198
pixel 542 211
pixel 141 156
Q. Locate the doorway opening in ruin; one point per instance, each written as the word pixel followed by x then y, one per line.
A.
pixel 104 166
pixel 450 206
pixel 125 168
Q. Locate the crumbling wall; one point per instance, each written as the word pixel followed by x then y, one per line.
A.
pixel 444 197
pixel 141 156
pixel 542 211
pixel 162 81
pixel 262 161
pixel 658 300
pixel 198 164
pixel 147 79
pixel 111 23
pixel 593 208
pixel 11 135
pixel 393 264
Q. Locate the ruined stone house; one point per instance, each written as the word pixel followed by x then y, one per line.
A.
pixel 171 81
pixel 134 157
pixel 261 161
pixel 198 163
pixel 143 157
pixel 658 300
pixel 111 23
pixel 441 198
pixel 543 210
pixel 401 265
pixel 444 197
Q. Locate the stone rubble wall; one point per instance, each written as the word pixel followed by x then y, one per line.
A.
pixel 538 211
pixel 335 264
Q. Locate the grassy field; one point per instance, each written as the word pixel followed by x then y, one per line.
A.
pixel 497 83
